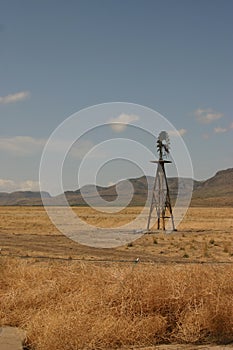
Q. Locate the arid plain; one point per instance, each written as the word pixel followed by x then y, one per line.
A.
pixel 69 296
pixel 204 234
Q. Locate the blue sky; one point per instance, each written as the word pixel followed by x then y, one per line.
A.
pixel 57 57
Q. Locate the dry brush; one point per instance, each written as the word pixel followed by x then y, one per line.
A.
pixel 85 306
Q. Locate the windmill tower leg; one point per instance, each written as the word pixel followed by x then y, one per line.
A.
pixel 158 217
pixel 163 218
pixel 168 200
pixel 172 218
pixel 150 213
pixel 158 220
pixel 157 200
pixel 151 206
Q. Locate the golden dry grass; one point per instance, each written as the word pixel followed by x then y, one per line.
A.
pixel 84 306
pixel 34 220
pixel 205 234
pixel 26 220
pixel 72 306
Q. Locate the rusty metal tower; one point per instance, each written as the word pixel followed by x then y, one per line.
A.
pixel 160 201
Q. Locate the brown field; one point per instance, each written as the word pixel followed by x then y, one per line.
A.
pixel 204 234
pixel 179 292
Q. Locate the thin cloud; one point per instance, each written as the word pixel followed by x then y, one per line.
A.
pixel 24 146
pixel 176 133
pixel 207 116
pixel 12 98
pixel 205 136
pixel 81 148
pixel 29 185
pixel 7 185
pixel 78 149
pixel 21 145
pixel 120 123
pixel 219 130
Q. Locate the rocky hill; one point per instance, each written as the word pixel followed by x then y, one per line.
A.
pixel 216 191
pixel 23 198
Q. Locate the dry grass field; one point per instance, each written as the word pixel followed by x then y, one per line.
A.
pixel 81 306
pixel 204 234
pixel 180 291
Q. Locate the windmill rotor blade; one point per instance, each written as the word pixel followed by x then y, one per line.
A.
pixel 163 135
pixel 163 142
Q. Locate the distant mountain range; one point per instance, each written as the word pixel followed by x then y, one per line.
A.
pixel 216 191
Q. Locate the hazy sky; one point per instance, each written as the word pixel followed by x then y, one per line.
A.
pixel 57 57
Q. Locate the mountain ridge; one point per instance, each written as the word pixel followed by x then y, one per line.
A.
pixel 215 191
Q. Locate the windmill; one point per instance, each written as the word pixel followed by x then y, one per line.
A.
pixel 160 201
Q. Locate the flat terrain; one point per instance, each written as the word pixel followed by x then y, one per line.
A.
pixel 68 296
pixel 205 234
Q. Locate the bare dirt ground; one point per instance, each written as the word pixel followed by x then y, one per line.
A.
pixel 204 235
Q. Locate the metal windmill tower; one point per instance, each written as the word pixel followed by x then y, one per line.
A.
pixel 160 201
